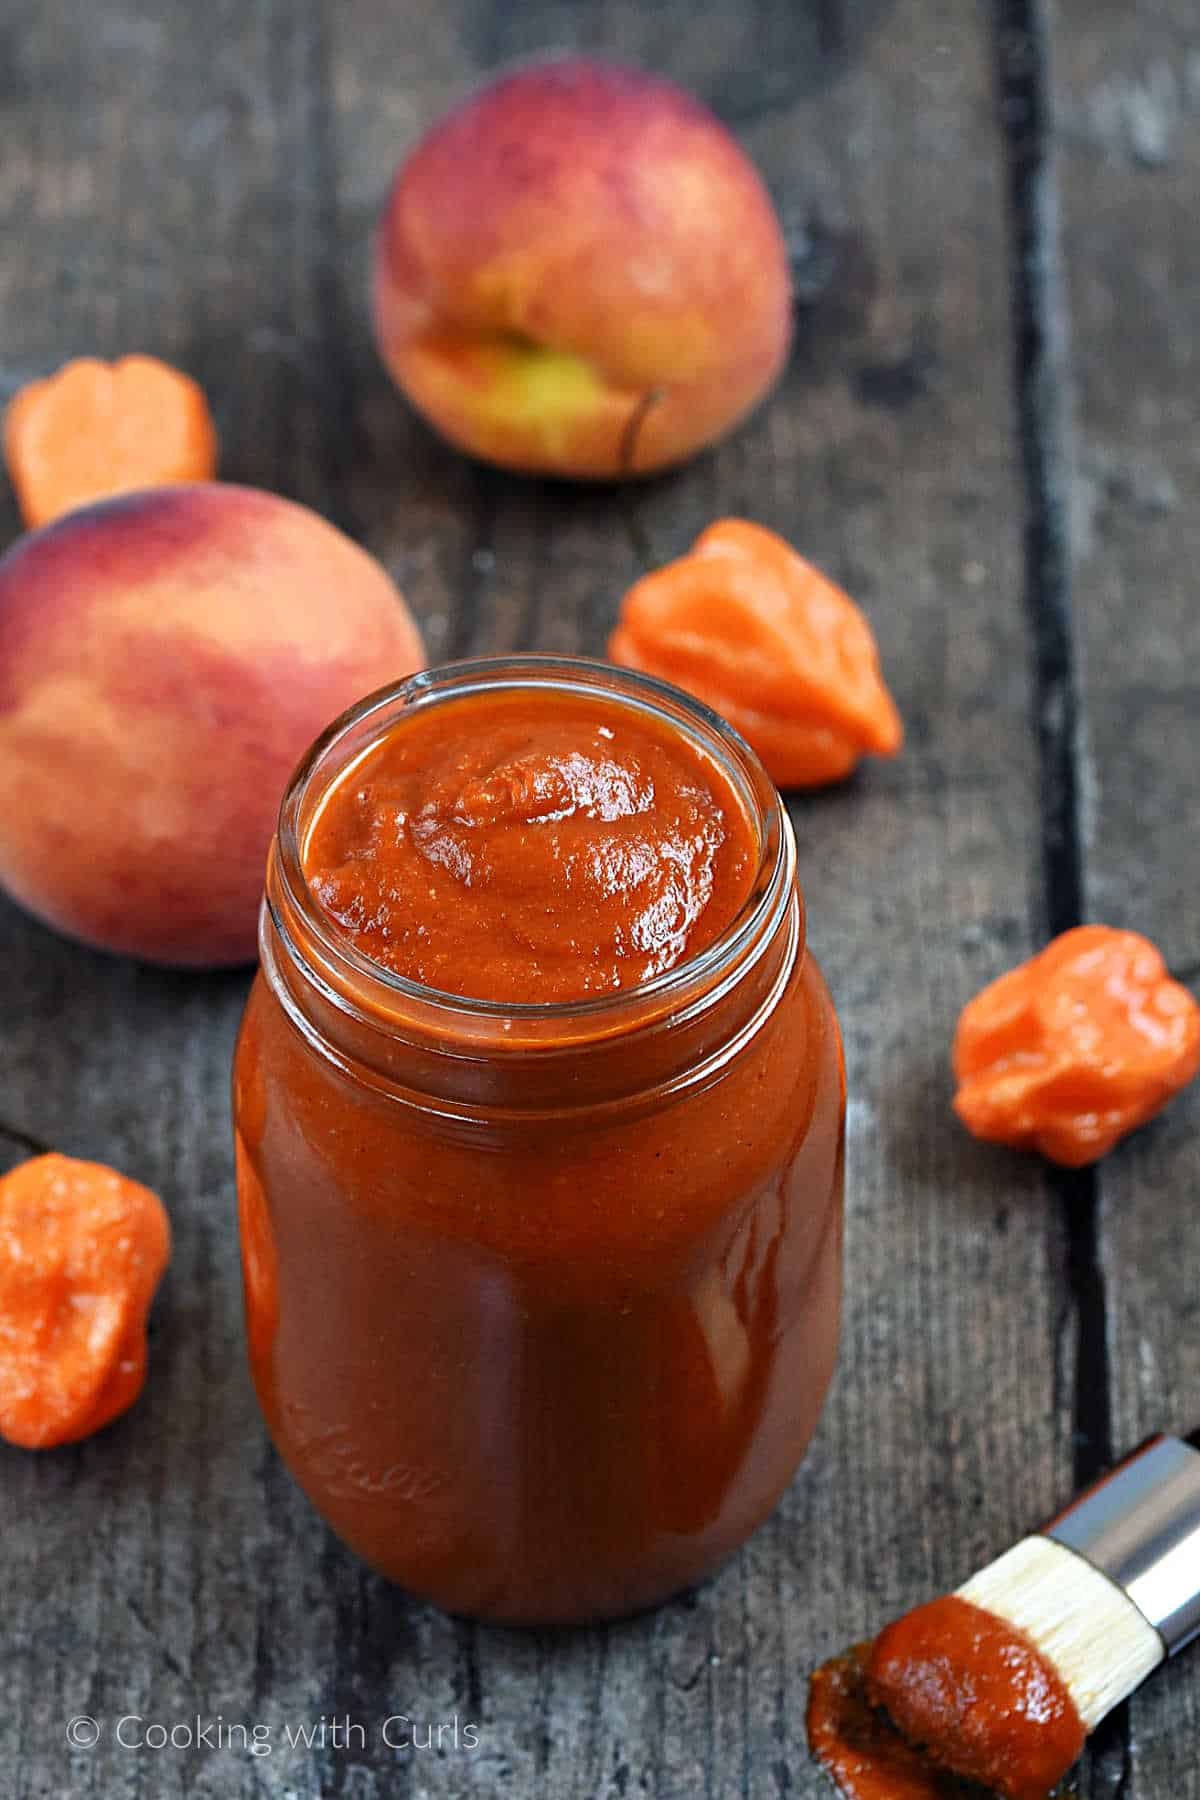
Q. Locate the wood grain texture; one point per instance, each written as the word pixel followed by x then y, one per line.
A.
pixel 201 182
pixel 1127 93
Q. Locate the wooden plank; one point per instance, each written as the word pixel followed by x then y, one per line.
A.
pixel 916 315
pixel 1127 92
pixel 208 177
pixel 153 167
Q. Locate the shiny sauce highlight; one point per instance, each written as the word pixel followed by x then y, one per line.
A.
pixel 514 852
pixel 948 1700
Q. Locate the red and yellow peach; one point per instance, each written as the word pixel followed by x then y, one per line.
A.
pixel 165 659
pixel 579 272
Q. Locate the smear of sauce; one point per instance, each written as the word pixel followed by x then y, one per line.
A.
pixel 979 1695
pixel 949 1701
pixel 863 1752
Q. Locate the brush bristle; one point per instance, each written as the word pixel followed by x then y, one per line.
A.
pixel 1081 1622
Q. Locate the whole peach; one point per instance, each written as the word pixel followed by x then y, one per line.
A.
pixel 579 272
pixel 165 659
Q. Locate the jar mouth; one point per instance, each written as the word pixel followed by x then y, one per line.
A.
pixel 356 732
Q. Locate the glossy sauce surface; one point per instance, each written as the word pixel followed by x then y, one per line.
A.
pixel 979 1695
pixel 948 1700
pixel 529 852
pixel 541 1315
pixel 862 1751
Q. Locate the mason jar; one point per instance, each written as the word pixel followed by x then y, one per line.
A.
pixel 541 1298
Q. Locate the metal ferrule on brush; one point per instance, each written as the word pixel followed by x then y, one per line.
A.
pixel 1140 1526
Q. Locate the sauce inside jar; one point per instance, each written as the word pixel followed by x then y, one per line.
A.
pixel 539 1106
pixel 532 853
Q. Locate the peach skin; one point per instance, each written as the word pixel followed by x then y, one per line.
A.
pixel 165 659
pixel 579 272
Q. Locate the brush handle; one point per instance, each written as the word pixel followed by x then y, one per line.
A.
pixel 1140 1526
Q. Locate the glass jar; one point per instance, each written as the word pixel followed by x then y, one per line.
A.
pixel 542 1300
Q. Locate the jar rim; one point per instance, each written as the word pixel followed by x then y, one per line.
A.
pixel 319 772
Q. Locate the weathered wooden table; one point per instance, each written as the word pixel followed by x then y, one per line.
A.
pixel 988 432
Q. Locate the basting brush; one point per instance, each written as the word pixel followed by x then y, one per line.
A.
pixel 1001 1682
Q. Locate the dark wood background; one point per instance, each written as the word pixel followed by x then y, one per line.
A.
pixel 988 432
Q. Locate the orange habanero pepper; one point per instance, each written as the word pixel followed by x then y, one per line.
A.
pixel 1076 1047
pixel 82 1249
pixel 94 429
pixel 748 626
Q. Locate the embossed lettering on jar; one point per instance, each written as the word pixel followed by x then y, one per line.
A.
pixel 539 1106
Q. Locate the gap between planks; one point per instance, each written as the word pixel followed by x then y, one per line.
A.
pixel 1042 352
